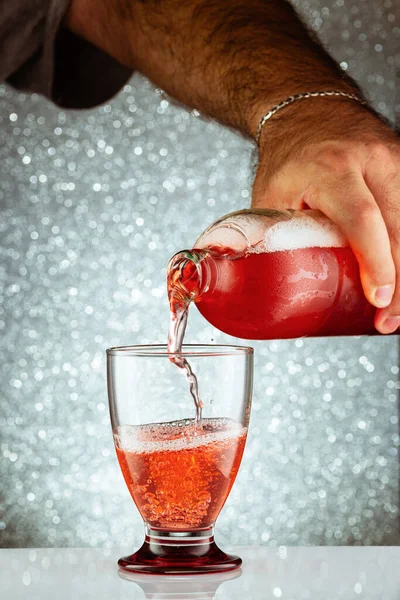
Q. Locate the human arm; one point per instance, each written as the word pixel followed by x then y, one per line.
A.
pixel 233 61
pixel 230 60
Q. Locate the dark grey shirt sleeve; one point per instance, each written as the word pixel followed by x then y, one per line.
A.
pixel 38 55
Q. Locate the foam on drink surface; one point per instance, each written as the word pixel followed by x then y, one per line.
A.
pixel 177 435
pixel 302 232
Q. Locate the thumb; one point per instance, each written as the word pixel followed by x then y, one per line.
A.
pixel 282 191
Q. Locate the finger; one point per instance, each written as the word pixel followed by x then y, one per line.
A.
pixel 383 179
pixel 348 202
pixel 345 198
pixel 386 323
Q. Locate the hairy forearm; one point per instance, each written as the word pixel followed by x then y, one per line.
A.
pixel 229 59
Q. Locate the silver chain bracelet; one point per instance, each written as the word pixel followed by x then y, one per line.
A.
pixel 302 96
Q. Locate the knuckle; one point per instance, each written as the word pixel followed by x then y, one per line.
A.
pixel 364 212
pixel 390 180
pixel 380 151
pixel 337 160
pixel 391 209
pixel 394 234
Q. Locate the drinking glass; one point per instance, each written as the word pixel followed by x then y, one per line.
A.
pixel 179 471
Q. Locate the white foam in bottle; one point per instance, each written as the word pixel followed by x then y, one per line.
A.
pixel 303 232
pixel 272 231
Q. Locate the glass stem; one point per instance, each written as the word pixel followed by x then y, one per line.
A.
pixel 196 542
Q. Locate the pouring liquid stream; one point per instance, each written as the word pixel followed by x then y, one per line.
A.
pixel 179 300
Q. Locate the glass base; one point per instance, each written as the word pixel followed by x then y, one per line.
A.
pixel 179 553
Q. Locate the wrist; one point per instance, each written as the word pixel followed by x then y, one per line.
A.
pixel 304 105
pixel 314 121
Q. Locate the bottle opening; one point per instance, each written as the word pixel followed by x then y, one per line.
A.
pixel 184 278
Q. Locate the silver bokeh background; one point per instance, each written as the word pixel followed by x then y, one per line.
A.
pixel 93 205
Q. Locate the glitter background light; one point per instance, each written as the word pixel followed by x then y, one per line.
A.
pixel 93 205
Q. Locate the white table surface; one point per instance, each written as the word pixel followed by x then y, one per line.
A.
pixel 320 573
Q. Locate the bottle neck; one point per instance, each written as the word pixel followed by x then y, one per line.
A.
pixel 189 276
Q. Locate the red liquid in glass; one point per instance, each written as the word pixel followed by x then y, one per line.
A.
pixel 282 294
pixel 180 475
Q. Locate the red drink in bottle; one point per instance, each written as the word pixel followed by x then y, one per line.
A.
pixel 300 279
pixel 305 292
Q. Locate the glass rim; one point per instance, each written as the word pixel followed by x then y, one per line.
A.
pixel 191 350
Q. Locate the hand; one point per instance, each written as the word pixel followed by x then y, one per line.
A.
pixel 338 157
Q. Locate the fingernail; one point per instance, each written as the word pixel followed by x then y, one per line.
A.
pixel 383 295
pixel 391 324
